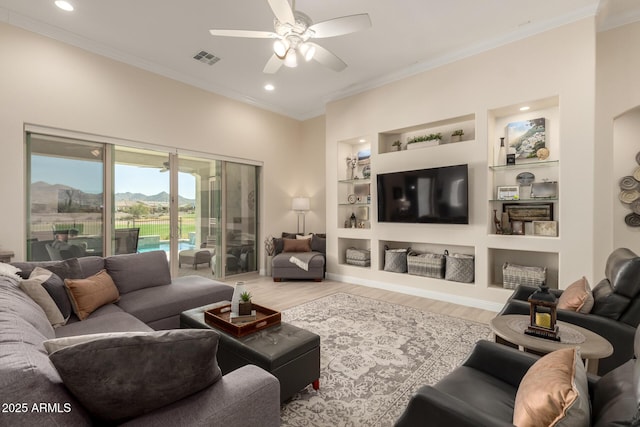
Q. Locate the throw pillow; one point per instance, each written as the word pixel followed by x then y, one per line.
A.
pixel 54 286
pixel 67 269
pixel 132 272
pixel 9 270
pixel 577 297
pixel 319 244
pixel 554 392
pixel 289 235
pixel 87 295
pixel 278 245
pixel 129 374
pixel 301 237
pixel 33 287
pixel 295 245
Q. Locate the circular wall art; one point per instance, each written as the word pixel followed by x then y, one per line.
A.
pixel 630 196
pixel 525 178
pixel 352 198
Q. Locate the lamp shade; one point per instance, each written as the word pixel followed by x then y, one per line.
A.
pixel 300 204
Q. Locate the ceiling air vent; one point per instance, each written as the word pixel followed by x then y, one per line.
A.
pixel 206 57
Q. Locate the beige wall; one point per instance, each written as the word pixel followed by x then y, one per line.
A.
pixel 47 83
pixel 561 63
pixel 616 125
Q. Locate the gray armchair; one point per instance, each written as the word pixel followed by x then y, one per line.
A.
pixel 616 310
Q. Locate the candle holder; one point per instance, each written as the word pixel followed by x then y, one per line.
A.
pixel 543 311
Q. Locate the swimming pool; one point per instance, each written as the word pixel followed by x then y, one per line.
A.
pixel 164 246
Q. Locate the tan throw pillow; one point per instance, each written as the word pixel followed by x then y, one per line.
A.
pixel 89 294
pixel 33 287
pixel 577 297
pixel 554 392
pixel 295 245
pixel 308 236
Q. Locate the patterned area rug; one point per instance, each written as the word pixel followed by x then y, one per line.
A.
pixel 374 356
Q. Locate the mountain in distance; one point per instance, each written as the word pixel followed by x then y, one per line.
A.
pixel 49 194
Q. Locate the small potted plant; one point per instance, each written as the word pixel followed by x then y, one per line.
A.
pixel 244 306
pixel 397 144
pixel 424 141
pixel 456 136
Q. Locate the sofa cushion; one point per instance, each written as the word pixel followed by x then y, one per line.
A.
pixel 91 265
pixel 577 297
pixel 86 295
pixel 297 245
pixel 33 287
pixel 161 368
pixel 131 272
pixel 184 293
pixel 108 318
pixel 554 391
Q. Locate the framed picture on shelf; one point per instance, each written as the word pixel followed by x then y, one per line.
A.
pixel 517 227
pixel 545 228
pixel 526 137
pixel 508 192
pixel 528 212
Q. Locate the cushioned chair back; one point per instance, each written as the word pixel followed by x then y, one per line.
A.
pixel 623 272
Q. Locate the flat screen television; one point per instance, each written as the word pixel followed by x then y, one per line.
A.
pixel 436 195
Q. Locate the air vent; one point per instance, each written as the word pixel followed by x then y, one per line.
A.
pixel 206 57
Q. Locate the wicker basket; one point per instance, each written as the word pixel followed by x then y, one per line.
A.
pixel 514 275
pixel 459 267
pixel 359 257
pixel 428 265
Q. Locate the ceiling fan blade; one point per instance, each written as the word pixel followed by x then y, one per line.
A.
pixel 328 59
pixel 339 26
pixel 244 33
pixel 273 65
pixel 283 11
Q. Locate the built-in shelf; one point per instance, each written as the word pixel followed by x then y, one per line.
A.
pixel 527 165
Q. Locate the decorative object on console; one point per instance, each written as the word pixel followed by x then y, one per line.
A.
pixel 397 144
pixel 529 212
pixel 542 314
pixel 525 178
pixel 496 222
pixel 505 223
pixel 511 159
pixel 430 140
pixel 542 153
pixel 517 227
pixel 544 190
pixel 366 172
pixel 526 137
pixel 352 220
pixel 630 196
pixel 301 206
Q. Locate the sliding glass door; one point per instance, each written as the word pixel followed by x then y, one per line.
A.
pixel 201 212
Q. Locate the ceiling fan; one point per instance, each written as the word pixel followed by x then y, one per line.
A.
pixel 292 32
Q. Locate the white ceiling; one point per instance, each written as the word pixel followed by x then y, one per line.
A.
pixel 406 37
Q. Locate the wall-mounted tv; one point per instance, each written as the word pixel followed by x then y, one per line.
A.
pixel 436 195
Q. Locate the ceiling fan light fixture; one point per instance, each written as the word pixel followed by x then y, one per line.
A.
pixel 280 48
pixel 291 59
pixel 307 50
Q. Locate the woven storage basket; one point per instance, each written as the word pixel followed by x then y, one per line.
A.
pixel 514 275
pixel 395 260
pixel 459 267
pixel 428 265
pixel 359 257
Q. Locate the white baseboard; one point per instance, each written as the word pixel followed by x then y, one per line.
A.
pixel 455 299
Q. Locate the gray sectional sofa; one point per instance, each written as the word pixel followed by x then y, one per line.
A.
pixel 60 376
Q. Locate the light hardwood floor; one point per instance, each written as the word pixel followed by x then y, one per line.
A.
pixel 283 295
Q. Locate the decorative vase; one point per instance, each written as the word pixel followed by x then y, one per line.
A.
pixel 496 222
pixel 268 265
pixel 244 308
pixel 504 222
pixel 455 138
pixel 235 299
pixel 502 153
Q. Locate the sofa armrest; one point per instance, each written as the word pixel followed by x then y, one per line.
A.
pixel 247 396
pixel 433 407
pixel 500 361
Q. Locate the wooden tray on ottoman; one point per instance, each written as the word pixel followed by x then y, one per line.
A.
pixel 219 318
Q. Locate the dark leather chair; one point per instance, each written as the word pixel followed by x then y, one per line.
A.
pixel 616 311
pixel 126 240
pixel 482 391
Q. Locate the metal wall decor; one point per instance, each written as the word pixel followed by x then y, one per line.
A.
pixel 630 195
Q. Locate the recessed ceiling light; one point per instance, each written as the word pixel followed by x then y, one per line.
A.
pixel 64 5
pixel 269 87
pixel 363 140
pixel 525 108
